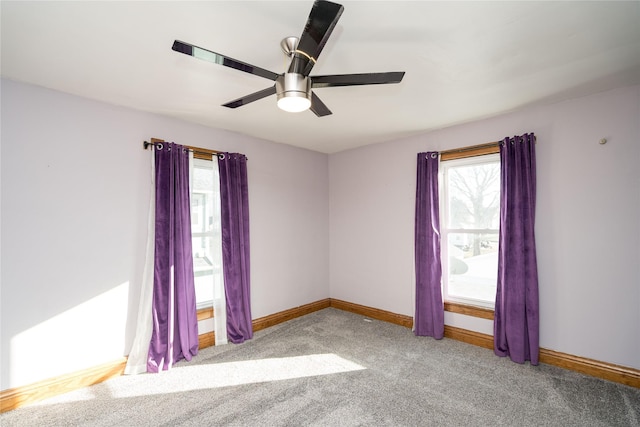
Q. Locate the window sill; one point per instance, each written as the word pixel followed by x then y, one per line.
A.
pixel 469 310
pixel 205 313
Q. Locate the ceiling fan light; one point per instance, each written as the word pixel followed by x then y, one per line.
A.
pixel 293 92
pixel 294 102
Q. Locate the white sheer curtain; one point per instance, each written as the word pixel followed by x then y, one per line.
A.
pixel 219 296
pixel 137 360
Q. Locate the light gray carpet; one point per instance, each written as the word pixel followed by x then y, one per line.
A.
pixel 334 368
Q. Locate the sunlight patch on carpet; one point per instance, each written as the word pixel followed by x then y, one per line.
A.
pixel 207 376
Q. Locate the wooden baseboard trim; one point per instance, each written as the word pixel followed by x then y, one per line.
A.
pixel 594 368
pixel 15 397
pixel 20 396
pixel 469 337
pixel 292 313
pixel 207 339
pixel 591 367
pixel 374 313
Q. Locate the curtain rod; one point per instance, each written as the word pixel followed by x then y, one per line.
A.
pixel 472 147
pixel 487 145
pixel 195 150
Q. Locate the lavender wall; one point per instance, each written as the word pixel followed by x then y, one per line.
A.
pixel 588 221
pixel 74 199
pixel 74 202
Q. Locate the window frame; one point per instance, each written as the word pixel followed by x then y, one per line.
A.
pixel 461 305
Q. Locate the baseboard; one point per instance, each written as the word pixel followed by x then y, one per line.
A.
pixel 20 396
pixel 207 339
pixel 374 313
pixel 591 367
pixel 292 313
pixel 594 368
pixel 469 337
pixel 15 397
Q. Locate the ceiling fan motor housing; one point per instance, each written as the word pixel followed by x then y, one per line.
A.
pixel 295 89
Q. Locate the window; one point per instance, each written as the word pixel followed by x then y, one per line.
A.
pixel 205 230
pixel 470 209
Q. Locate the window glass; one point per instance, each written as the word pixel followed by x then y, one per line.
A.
pixel 205 230
pixel 470 209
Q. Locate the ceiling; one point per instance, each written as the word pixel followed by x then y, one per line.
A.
pixel 464 61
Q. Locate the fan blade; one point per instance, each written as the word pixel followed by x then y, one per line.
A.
pixel 322 19
pixel 216 58
pixel 356 79
pixel 318 107
pixel 250 98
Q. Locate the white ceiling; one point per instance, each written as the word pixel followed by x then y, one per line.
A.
pixel 463 60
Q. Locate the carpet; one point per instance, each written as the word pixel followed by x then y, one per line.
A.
pixel 335 368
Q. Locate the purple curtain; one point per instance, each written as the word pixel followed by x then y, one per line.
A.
pixel 234 209
pixel 175 324
pixel 429 311
pixel 516 311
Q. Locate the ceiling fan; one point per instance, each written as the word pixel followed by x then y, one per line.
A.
pixel 294 87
